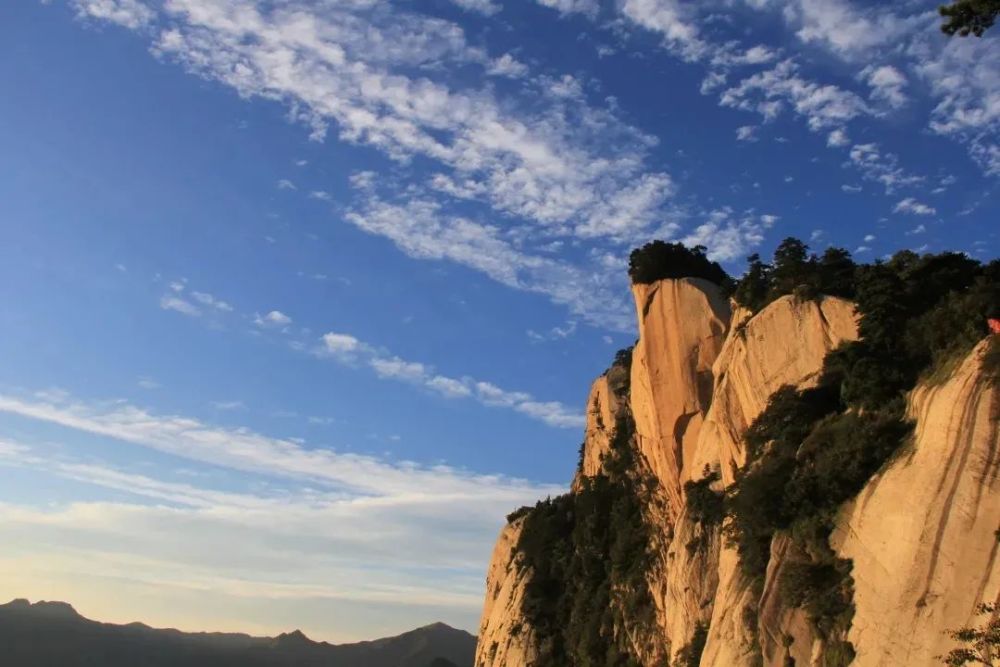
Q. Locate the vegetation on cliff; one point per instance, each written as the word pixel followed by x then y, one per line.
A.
pixel 811 450
pixel 980 645
pixel 588 552
pixel 969 17
pixel 658 260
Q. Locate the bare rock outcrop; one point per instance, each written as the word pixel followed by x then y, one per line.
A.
pixel 608 395
pixel 505 638
pixel 785 343
pixel 682 326
pixel 922 534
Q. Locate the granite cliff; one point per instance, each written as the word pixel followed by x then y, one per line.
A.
pixel 903 549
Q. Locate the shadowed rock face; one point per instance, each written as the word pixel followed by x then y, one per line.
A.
pixel 920 534
pixel 52 634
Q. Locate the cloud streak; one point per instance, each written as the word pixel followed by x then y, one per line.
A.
pixel 308 527
pixel 347 349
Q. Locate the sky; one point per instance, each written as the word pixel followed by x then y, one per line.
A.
pixel 301 298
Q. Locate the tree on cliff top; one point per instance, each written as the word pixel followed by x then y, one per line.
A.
pixel 969 17
pixel 659 260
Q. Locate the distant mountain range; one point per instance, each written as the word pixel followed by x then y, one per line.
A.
pixel 53 634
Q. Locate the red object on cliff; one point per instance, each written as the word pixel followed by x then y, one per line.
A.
pixel 994 325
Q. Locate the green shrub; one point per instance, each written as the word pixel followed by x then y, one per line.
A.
pixel 690 654
pixel 991 360
pixel 811 451
pixel 980 645
pixel 794 271
pixel 705 505
pixel 658 260
pixel 589 553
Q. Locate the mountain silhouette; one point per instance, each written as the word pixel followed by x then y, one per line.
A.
pixel 53 634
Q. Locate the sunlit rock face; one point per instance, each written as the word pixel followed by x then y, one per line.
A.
pixel 920 534
pixel 682 327
pixel 504 636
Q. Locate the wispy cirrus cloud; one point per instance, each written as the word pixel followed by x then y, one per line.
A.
pixel 422 228
pixel 913 207
pixel 347 349
pixel 768 92
pixel 288 529
pixel 131 14
pixel 882 167
pixel 732 236
pixel 546 159
pixel 244 449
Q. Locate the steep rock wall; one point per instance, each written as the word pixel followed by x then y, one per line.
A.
pixel 921 534
pixel 608 396
pixel 682 326
pixel 505 638
pixel 695 387
pixel 785 343
pixel 756 359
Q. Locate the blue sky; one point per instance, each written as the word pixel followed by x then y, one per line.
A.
pixel 300 298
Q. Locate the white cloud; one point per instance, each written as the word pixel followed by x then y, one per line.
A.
pixel 340 344
pixel 274 318
pixel 398 369
pixel 209 300
pixel 880 167
pixel 746 133
pixel 280 534
pixel 321 195
pixel 486 7
pixel 285 184
pixel 913 207
pixel 168 302
pixel 555 333
pixel 851 189
pixel 727 237
pixel 421 229
pixel 837 138
pixel 508 66
pixel 886 84
pixel 846 29
pixel 131 14
pixel 712 82
pixel 674 20
pixel 767 92
pixel 242 449
pixel 587 7
pixel 449 387
pixel 347 349
pixel 546 155
pixel 968 94
pixel 869 238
